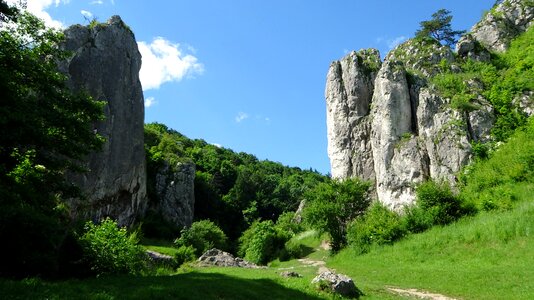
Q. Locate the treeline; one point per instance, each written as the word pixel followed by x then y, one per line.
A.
pixel 231 189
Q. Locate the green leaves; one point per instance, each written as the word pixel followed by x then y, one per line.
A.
pixel 439 28
pixel 109 249
pixel 332 205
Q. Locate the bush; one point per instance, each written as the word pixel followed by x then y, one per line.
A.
pixel 185 254
pixel 109 249
pixel 416 220
pixel 202 236
pixel 378 226
pixel 332 205
pixel 438 201
pixel 262 242
pixel 286 223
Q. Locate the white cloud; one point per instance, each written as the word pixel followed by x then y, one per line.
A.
pixel 241 116
pixel 98 2
pixel 394 42
pixel 38 7
pixel 163 62
pixel 86 14
pixel 150 101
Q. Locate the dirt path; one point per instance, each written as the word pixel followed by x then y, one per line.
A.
pixel 419 294
pixel 403 292
pixel 314 263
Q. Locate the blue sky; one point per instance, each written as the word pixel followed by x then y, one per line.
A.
pixel 250 75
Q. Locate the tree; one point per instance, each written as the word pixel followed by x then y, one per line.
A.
pixel 439 28
pixel 332 205
pixel 45 130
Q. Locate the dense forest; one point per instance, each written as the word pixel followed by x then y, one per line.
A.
pixel 227 183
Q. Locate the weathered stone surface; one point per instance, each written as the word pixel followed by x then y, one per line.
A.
pixel 391 119
pixel 468 47
pixel 175 192
pixel 444 137
pixel 159 258
pixel 422 56
pixel 525 102
pixel 297 218
pixel 504 22
pixel 106 64
pixel 339 283
pixel 219 258
pixel 348 93
pixel 288 274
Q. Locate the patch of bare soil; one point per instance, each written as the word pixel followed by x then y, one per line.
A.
pixel 419 294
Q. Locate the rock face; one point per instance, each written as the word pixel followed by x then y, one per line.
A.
pixel 406 135
pixel 175 192
pixel 501 24
pixel 106 63
pixel 387 124
pixel 219 258
pixel 348 99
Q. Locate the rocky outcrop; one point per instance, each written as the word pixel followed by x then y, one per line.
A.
pixel 175 193
pixel 337 283
pixel 392 127
pixel 500 25
pixel 105 63
pixel 411 135
pixel 219 258
pixel 348 99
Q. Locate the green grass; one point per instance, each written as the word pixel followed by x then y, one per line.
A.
pixel 488 256
pixel 200 284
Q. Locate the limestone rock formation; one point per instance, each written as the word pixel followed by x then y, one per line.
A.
pixel 105 62
pixel 219 258
pixel 175 193
pixel 388 125
pixel 348 97
pixel 502 23
pixel 339 283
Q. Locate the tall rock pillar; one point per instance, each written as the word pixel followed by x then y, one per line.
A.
pixel 105 62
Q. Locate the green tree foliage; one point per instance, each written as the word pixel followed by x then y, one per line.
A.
pixel 439 28
pixel 109 249
pixel 378 226
pixel 332 205
pixel 436 204
pixel 229 183
pixel 44 131
pixel 202 236
pixel 262 242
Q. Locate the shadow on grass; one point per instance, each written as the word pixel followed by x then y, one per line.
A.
pixel 182 286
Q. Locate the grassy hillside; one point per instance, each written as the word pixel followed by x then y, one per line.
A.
pixel 486 256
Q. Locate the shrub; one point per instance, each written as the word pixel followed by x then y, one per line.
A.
pixel 109 249
pixel 378 226
pixel 332 205
pixel 185 254
pixel 416 220
pixel 262 242
pixel 286 223
pixel 438 201
pixel 202 236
